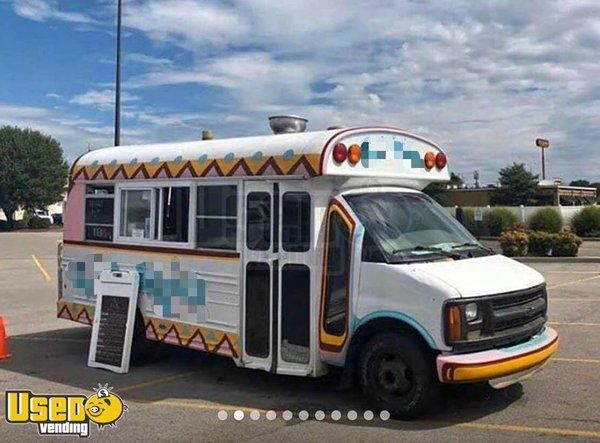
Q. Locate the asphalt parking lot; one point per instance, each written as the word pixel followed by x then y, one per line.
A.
pixel 178 395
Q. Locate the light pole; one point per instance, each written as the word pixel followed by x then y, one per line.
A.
pixel 118 79
pixel 543 144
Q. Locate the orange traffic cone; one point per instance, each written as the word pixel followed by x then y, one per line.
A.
pixel 4 352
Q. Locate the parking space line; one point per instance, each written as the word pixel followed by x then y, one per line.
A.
pixel 41 268
pixel 532 429
pixel 72 340
pixel 574 299
pixel 558 323
pixel 202 406
pixel 575 360
pixel 153 382
pixel 572 282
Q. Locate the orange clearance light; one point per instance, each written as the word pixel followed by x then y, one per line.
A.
pixel 340 153
pixel 440 160
pixel 454 323
pixel 354 154
pixel 429 160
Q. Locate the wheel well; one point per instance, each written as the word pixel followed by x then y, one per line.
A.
pixel 370 329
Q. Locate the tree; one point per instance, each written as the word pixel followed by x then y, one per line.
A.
pixel 436 190
pixel 33 171
pixel 518 186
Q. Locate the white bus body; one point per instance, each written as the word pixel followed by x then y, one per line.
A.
pixel 292 253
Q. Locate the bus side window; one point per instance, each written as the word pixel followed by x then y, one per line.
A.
pixel 337 279
pixel 216 217
pixel 99 211
pixel 295 227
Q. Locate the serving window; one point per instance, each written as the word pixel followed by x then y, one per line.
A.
pixel 155 214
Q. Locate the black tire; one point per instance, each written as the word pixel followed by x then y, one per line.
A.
pixel 397 374
pixel 142 349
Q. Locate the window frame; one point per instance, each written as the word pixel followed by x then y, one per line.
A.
pixel 239 217
pixel 310 220
pixel 155 211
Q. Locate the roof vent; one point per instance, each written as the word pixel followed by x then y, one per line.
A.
pixel 286 124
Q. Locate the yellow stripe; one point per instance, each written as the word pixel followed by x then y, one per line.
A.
pixel 202 406
pixel 575 299
pixel 558 323
pixel 507 367
pixel 153 382
pixel 532 429
pixel 575 360
pixel 573 282
pixel 77 340
pixel 41 268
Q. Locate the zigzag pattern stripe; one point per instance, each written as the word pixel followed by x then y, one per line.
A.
pixel 304 165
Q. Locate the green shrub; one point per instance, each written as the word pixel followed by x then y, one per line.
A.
pixel 586 221
pixel 38 223
pixel 514 243
pixel 540 243
pixel 565 244
pixel 546 219
pixel 498 220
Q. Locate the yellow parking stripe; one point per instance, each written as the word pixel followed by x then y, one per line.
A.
pixel 558 323
pixel 41 268
pixel 201 406
pixel 532 429
pixel 560 285
pixel 576 360
pixel 153 382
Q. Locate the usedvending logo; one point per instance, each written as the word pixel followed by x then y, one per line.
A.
pixel 65 414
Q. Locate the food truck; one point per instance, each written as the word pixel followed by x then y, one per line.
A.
pixel 298 252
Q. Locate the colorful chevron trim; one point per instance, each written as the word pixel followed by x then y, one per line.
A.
pixel 199 338
pixel 75 311
pixel 257 165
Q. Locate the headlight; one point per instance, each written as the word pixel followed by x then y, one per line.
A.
pixel 471 311
pixel 462 321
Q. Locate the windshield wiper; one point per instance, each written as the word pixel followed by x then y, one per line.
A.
pixel 473 245
pixel 431 249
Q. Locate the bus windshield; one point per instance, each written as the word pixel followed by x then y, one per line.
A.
pixel 410 227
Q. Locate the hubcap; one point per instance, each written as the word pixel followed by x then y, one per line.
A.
pixel 394 375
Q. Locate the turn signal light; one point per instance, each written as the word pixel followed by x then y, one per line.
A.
pixel 454 323
pixel 354 154
pixel 429 160
pixel 440 160
pixel 340 153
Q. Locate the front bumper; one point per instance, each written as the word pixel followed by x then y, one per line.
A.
pixel 497 363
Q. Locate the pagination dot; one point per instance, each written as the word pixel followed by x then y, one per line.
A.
pixel 238 415
pixel 319 415
pixel 336 415
pixel 368 415
pixel 384 415
pixel 255 415
pixel 287 415
pixel 222 415
pixel 271 415
pixel 303 415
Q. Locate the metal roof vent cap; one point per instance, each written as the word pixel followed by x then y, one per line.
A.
pixel 287 124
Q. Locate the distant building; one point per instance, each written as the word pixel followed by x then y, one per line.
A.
pixel 550 193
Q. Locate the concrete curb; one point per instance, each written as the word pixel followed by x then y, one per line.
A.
pixel 557 259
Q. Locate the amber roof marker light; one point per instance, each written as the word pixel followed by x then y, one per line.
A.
pixel 429 160
pixel 354 153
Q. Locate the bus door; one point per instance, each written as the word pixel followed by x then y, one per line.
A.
pixel 277 244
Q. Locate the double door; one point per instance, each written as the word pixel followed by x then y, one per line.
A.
pixel 278 252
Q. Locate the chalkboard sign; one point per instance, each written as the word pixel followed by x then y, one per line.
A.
pixel 114 318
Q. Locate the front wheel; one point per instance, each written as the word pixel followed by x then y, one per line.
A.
pixel 397 374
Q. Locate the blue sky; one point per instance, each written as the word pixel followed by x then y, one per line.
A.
pixel 483 79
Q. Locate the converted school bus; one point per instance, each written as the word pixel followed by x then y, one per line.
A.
pixel 299 251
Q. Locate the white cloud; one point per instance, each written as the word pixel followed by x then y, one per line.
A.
pixel 483 79
pixel 42 10
pixel 101 99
